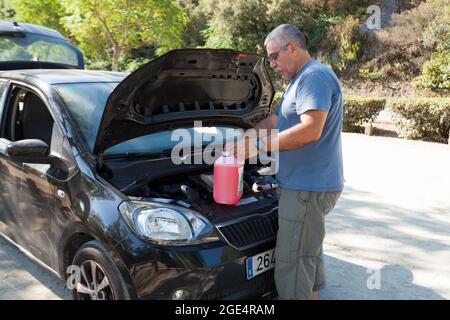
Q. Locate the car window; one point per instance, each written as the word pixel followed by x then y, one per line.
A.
pixel 85 103
pixel 29 118
pixel 35 47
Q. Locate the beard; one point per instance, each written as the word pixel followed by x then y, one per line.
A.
pixel 288 76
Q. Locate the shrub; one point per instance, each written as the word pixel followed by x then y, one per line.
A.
pixel 316 34
pixel 437 34
pixel 341 6
pixel 360 110
pixel 406 29
pixel 422 118
pixel 341 44
pixel 366 74
pixel 436 73
pixel 411 38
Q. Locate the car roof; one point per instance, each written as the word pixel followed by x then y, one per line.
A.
pixel 61 76
pixel 6 25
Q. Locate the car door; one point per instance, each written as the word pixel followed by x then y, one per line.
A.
pixel 10 173
pixel 37 203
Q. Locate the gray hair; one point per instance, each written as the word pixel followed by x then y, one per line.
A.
pixel 285 33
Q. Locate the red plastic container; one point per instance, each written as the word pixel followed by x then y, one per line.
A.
pixel 228 175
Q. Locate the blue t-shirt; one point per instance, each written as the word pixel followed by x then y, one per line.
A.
pixel 316 166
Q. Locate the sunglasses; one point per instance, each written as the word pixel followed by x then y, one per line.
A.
pixel 274 55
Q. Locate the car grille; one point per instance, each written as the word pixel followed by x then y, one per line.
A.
pixel 254 230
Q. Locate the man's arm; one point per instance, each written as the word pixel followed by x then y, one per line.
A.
pixel 309 130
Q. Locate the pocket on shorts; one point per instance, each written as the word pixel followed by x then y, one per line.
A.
pixel 303 196
pixel 329 201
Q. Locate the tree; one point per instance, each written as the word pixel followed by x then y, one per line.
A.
pixel 6 10
pixel 115 27
pixel 244 25
pixel 198 21
pixel 47 13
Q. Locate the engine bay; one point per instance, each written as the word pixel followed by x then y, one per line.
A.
pixel 192 187
pixel 195 190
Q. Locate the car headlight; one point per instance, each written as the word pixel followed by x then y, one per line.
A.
pixel 167 224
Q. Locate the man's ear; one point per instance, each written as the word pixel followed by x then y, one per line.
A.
pixel 294 48
pixel 291 47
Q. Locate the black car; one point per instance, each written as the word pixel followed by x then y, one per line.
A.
pixel 27 46
pixel 88 187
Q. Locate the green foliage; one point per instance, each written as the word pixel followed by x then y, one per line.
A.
pixel 215 39
pixel 6 10
pixel 245 25
pixel 406 29
pixel 319 29
pixel 342 44
pixel 98 64
pixel 337 6
pixel 360 110
pixel 422 118
pixel 112 28
pixel 411 38
pixel 135 64
pixel 366 74
pixel 237 25
pixel 436 73
pixel 47 13
pixel 437 34
pixel 117 34
pixel 193 35
pixel 137 58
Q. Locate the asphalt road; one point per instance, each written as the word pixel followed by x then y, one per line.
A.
pixel 387 238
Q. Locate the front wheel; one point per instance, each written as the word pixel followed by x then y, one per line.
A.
pixel 99 278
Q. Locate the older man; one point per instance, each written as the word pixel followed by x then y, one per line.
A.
pixel 310 174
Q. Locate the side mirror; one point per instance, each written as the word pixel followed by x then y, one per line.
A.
pixel 30 151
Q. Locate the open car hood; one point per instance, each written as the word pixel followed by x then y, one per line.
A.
pixel 216 86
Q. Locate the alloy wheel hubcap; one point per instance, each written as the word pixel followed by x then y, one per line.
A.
pixel 93 283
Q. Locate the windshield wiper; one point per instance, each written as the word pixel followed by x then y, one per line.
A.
pixel 132 155
pixel 136 155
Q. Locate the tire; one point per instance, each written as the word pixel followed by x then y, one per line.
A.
pixel 93 258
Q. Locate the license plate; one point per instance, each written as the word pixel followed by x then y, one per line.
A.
pixel 260 263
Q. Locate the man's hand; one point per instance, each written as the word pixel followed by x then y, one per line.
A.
pixel 243 148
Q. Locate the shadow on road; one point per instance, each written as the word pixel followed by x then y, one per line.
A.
pixel 353 282
pixel 401 241
pixel 23 278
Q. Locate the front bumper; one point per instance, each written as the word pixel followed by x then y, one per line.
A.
pixel 215 270
pixel 209 271
pixel 227 281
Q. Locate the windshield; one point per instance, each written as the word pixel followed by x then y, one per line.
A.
pixel 37 47
pixel 85 103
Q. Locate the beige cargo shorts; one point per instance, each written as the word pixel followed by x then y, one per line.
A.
pixel 299 265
